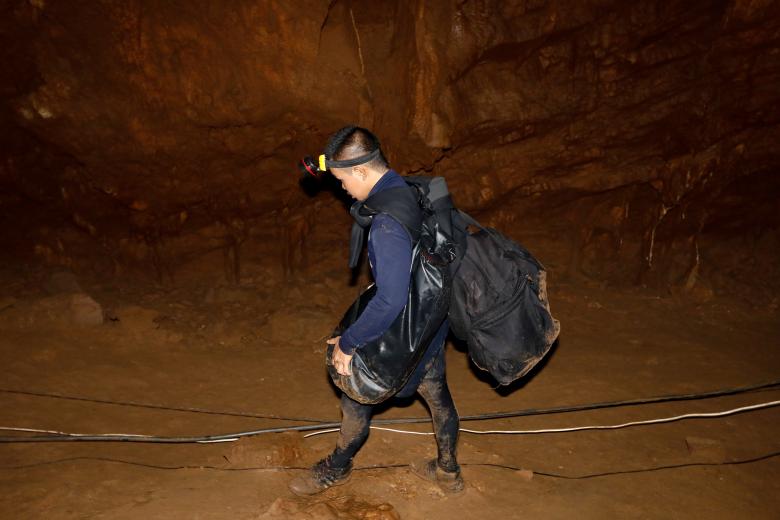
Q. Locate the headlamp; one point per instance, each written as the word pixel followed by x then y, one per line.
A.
pixel 308 166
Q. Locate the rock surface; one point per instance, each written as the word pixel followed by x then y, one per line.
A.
pixel 632 142
pixel 62 311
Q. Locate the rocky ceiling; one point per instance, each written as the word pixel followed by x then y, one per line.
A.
pixel 638 140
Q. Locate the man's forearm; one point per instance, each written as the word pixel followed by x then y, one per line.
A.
pixel 376 318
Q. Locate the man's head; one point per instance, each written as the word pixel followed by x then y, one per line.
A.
pixel 351 142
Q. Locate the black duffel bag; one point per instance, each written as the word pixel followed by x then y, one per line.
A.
pixel 500 307
pixel 382 367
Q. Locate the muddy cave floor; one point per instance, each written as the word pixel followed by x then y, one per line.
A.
pixel 259 348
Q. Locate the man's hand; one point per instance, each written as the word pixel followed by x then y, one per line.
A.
pixel 340 360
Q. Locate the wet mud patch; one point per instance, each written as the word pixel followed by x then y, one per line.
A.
pixel 339 508
pixel 284 449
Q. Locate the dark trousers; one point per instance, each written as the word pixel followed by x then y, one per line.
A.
pixel 356 418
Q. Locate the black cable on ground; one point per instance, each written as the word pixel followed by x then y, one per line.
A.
pixel 313 427
pixel 626 402
pixel 758 458
pixel 324 424
pixel 56 436
pixel 162 407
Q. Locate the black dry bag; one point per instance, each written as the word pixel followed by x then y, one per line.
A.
pixel 382 367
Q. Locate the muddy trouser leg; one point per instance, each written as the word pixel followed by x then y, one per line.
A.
pixel 446 422
pixel 355 424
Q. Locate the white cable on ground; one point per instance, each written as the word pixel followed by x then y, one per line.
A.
pixel 55 432
pixel 465 430
pixel 581 428
pixel 67 434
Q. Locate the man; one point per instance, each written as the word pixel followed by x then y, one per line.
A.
pixel 390 257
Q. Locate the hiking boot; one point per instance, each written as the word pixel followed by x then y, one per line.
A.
pixel 449 481
pixel 320 477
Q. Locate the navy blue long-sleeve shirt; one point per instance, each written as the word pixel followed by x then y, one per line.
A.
pixel 390 257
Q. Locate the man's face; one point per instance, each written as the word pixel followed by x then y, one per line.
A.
pixel 354 181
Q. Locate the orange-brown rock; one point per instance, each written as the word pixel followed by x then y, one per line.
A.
pixel 626 141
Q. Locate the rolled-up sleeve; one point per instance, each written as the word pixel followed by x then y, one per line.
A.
pixel 391 266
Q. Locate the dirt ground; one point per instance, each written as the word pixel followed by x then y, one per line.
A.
pixel 258 348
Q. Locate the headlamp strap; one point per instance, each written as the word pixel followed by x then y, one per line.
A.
pixel 325 163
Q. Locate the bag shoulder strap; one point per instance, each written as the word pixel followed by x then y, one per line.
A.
pixel 399 203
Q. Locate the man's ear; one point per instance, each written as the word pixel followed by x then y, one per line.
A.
pixel 360 171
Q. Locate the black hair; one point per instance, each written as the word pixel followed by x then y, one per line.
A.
pixel 353 141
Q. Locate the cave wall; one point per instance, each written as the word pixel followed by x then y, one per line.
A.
pixel 629 128
pixel 630 142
